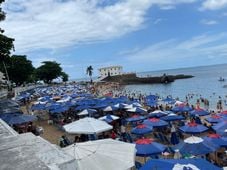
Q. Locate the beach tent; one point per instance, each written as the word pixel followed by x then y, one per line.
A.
pixel 87 125
pixel 105 154
pixel 178 164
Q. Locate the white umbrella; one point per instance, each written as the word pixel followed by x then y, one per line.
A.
pixel 106 117
pixel 87 125
pixel 106 154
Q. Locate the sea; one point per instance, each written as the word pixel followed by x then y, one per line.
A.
pixel 204 84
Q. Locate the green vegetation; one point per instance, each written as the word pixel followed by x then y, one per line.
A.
pixel 48 71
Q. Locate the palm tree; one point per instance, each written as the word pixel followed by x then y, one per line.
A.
pixel 90 72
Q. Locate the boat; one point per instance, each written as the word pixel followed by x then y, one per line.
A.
pixel 221 79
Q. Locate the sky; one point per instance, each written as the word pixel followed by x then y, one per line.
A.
pixel 140 35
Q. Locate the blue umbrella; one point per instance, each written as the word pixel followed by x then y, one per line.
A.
pixel 87 112
pixel 215 119
pixel 172 117
pixel 59 110
pixel 157 113
pixel 199 112
pixel 141 129
pixel 137 110
pixel 184 164
pixel 195 146
pixel 13 119
pixel 155 122
pixel 109 118
pixel 110 108
pixel 38 107
pixel 135 118
pixel 224 113
pixel 221 128
pixel 216 139
pixel 169 100
pixel 193 128
pixel 146 147
pixel 182 108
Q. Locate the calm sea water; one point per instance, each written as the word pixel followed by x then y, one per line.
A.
pixel 205 84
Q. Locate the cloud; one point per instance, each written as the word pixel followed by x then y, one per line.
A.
pixel 157 21
pixel 174 53
pixel 51 24
pixel 208 22
pixel 213 4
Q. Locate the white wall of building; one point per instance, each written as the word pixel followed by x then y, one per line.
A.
pixel 113 71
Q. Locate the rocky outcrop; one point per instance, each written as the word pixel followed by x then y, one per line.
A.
pixel 133 79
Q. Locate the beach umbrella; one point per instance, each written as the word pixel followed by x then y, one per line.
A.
pixel 105 154
pixel 38 106
pixel 172 117
pixel 110 108
pixel 224 113
pixel 182 108
pixel 87 112
pixel 179 164
pixel 199 112
pixel 109 118
pixel 137 110
pixel 151 103
pixel 135 118
pixel 215 119
pixel 157 113
pixel 147 147
pixel 60 109
pixel 87 125
pixel 120 105
pixel 193 128
pixel 82 107
pixel 195 146
pixel 141 129
pixel 14 119
pixel 221 128
pixel 169 100
pixel 156 123
pixel 216 139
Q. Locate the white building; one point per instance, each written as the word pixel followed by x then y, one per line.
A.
pixel 112 71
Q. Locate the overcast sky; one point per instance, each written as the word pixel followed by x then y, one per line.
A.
pixel 140 35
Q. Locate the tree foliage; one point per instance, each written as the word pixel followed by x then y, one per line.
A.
pixel 20 69
pixel 48 71
pixel 6 43
pixel 64 76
